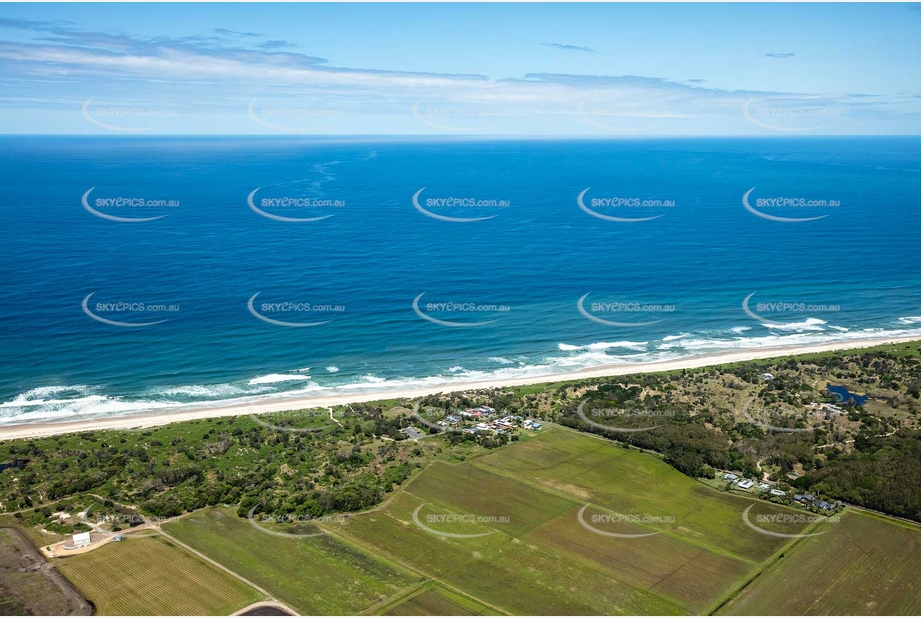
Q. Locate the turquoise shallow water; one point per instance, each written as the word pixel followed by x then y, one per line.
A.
pixel 500 295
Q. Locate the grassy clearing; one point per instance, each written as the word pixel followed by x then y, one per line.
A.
pixel 433 600
pixel 152 576
pixel 519 576
pixel 629 482
pixel 862 565
pixel 314 575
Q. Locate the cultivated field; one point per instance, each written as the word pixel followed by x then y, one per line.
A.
pixel 525 500
pixel 314 575
pixel 862 565
pixel 436 601
pixel 626 481
pixel 149 575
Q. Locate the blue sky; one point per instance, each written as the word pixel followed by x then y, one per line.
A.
pixel 608 70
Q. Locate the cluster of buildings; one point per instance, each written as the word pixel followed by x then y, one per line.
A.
pixel 808 499
pixel 829 408
pixel 805 500
pixel 747 484
pixel 485 421
pixel 478 412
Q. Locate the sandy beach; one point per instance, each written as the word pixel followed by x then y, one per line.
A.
pixel 280 404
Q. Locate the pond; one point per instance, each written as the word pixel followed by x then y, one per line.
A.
pixel 842 395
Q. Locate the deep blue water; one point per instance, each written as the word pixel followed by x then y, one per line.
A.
pixel 852 274
pixel 843 395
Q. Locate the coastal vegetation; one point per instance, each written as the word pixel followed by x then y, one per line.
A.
pixel 789 430
pixel 597 496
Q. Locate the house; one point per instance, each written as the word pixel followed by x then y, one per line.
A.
pixel 482 427
pixel 536 425
pixel 527 424
pixel 452 419
pixel 746 484
pixel 777 492
pixel 823 505
pixel 82 540
pixel 730 477
pixel 804 497
pixel 767 376
pixel 764 486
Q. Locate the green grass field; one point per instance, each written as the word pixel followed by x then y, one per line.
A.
pixel 436 601
pixel 314 575
pixel 862 565
pixel 531 494
pixel 626 481
pixel 151 576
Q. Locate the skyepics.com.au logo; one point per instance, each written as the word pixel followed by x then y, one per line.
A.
pixel 619 309
pixel 618 117
pixel 785 307
pixel 799 520
pixel 292 118
pixel 787 205
pixel 458 308
pixel 272 207
pixel 786 115
pixel 291 421
pixel 602 206
pixel 448 116
pixel 777 419
pixel 292 308
pixel 622 420
pixel 611 520
pixel 127 118
pixel 127 314
pixel 294 521
pixel 105 207
pixel 439 428
pixel 441 524
pixel 123 519
pixel 459 206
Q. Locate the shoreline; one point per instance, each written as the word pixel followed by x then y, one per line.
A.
pixel 281 404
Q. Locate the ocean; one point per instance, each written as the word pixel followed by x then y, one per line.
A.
pixel 145 273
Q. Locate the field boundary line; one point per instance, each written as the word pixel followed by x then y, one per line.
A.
pixel 388 556
pixel 656 454
pixel 269 597
pixel 396 598
pixel 762 568
pixel 894 519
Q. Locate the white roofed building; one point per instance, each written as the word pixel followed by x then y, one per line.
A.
pixel 82 539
